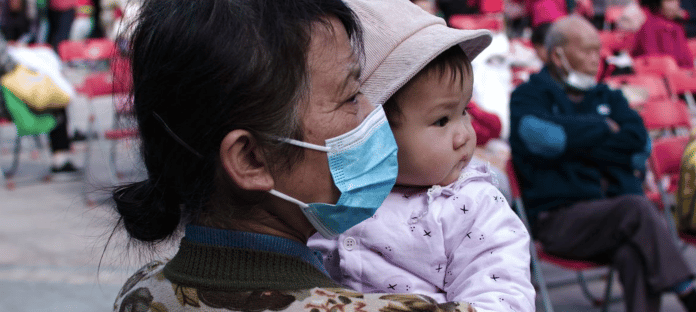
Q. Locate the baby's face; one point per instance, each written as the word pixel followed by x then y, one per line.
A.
pixel 435 137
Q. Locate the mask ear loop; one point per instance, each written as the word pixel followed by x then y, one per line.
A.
pixel 564 60
pixel 305 145
pixel 288 198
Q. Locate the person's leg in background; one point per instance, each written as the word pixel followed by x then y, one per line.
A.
pixel 60 144
pixel 60 23
pixel 628 231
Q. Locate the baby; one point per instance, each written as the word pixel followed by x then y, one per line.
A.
pixel 445 230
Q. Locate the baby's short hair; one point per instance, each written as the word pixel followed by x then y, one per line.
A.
pixel 453 59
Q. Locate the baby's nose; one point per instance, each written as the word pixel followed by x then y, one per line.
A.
pixel 461 136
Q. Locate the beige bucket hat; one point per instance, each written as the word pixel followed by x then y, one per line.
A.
pixel 400 38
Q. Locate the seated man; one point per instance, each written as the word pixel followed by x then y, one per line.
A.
pixel 576 146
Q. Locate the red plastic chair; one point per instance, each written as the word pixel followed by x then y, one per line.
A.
pixel 612 15
pixel 692 47
pixel 41 151
pixel 7 176
pixel 683 82
pixel 93 60
pixel 537 253
pixel 665 162
pixel 92 49
pixel 653 84
pixel 655 64
pixel 615 41
pixel 665 115
pixel 490 6
pixel 492 22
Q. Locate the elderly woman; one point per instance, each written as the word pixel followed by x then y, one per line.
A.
pixel 660 34
pixel 254 136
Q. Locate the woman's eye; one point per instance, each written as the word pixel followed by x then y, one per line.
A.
pixel 353 99
pixel 441 122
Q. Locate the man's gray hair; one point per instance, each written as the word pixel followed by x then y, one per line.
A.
pixel 556 37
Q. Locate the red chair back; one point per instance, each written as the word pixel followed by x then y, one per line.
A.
pixel 681 81
pixel 666 114
pixel 461 21
pixel 512 179
pixel 692 47
pixel 655 64
pixel 614 41
pixel 92 49
pixel 652 83
pixel 101 83
pixel 666 156
pixel 491 6
pixel 612 13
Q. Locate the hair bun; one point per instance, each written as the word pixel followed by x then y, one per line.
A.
pixel 149 213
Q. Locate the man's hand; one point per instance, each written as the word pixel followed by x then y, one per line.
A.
pixel 613 126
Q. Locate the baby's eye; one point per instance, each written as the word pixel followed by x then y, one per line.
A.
pixel 441 122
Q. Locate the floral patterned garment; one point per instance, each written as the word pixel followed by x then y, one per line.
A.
pixel 149 290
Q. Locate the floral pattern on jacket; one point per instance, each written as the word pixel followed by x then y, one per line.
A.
pixel 149 290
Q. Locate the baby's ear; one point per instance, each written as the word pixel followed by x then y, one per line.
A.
pixel 244 161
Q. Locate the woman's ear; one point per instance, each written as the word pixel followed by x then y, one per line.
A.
pixel 244 161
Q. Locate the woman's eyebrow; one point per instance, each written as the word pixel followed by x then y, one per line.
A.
pixel 352 75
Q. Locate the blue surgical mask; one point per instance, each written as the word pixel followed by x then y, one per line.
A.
pixel 363 165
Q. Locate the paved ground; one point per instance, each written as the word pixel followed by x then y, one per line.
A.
pixel 51 242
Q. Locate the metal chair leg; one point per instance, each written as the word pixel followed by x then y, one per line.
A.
pixel 15 158
pixel 690 102
pixel 586 290
pixel 607 292
pixel 539 277
pixel 536 268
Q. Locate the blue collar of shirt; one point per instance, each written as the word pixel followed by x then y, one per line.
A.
pixel 237 239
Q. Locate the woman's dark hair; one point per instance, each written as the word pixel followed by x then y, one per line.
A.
pixel 200 70
pixel 653 5
pixel 453 59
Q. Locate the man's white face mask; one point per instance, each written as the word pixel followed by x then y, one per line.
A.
pixel 576 79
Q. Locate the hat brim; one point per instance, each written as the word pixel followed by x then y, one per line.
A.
pixel 414 53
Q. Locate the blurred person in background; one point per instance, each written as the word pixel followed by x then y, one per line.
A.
pixel 15 21
pixel 68 20
pixel 27 22
pixel 538 36
pixel 661 34
pixel 548 11
pixel 577 146
pixel 690 23
pixel 427 5
pixel 453 7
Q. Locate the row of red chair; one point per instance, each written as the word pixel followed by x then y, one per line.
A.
pixel 664 163
pixel 103 73
pixel 114 81
pixel 661 111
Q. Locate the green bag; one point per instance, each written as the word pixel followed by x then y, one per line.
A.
pixel 685 213
pixel 25 120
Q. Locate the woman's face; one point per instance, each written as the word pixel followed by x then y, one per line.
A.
pixel 333 107
pixel 670 8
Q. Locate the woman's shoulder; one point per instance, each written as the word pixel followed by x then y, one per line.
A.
pixel 149 290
